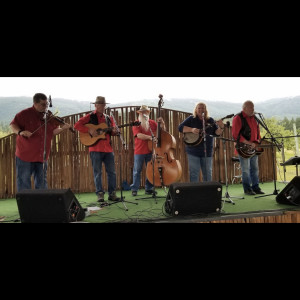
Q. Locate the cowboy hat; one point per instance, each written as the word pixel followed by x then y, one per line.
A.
pixel 143 108
pixel 100 100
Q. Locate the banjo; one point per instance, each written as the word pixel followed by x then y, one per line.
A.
pixel 192 139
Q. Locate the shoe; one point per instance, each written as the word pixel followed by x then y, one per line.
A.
pixel 250 192
pixel 113 197
pixel 150 192
pixel 100 197
pixel 259 191
pixel 134 193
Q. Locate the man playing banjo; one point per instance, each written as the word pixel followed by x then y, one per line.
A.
pixel 199 142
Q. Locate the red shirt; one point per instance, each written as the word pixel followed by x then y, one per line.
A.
pixel 101 145
pixel 141 146
pixel 32 149
pixel 237 126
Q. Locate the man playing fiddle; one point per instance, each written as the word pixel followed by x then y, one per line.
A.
pixel 31 152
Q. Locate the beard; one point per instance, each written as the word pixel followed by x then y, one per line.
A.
pixel 144 122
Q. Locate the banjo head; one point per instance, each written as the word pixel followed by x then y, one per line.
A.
pixel 192 139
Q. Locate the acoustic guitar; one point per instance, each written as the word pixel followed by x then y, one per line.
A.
pixel 247 151
pixel 102 129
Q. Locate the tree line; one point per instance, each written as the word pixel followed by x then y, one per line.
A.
pixel 4 129
pixel 282 131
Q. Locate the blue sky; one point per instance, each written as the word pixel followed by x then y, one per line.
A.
pixel 122 89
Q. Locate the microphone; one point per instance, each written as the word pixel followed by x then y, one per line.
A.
pixel 50 101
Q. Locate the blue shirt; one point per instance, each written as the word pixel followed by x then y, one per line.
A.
pixel 210 128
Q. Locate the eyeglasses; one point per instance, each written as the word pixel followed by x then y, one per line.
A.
pixel 44 104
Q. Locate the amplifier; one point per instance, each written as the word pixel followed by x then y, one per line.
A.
pixel 194 198
pixel 291 193
pixel 49 206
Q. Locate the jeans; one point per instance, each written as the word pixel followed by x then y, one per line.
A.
pixel 250 172
pixel 200 163
pixel 25 170
pixel 108 159
pixel 139 160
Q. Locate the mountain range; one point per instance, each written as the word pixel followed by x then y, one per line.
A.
pixel 288 107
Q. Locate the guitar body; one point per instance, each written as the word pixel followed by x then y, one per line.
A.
pixel 102 129
pixel 88 140
pixel 246 151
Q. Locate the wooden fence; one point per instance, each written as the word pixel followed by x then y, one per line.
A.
pixel 70 164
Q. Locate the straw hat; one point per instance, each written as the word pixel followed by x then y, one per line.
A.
pixel 143 108
pixel 100 100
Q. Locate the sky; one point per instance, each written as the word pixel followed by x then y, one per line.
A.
pixel 122 89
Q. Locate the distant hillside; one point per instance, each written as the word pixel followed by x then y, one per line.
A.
pixel 10 106
pixel 280 107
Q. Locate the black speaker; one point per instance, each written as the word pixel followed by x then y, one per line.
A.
pixel 291 193
pixel 194 198
pixel 49 206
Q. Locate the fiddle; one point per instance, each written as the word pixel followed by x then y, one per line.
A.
pixel 49 116
pixel 59 121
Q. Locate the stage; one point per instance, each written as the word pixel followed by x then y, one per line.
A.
pixel 152 210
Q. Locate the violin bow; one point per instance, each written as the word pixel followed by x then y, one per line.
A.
pixel 53 115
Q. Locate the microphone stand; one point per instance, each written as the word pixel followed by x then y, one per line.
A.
pixel 121 145
pixel 204 136
pixel 226 195
pixel 274 143
pixel 45 146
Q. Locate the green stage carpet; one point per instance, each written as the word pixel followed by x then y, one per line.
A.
pixel 152 209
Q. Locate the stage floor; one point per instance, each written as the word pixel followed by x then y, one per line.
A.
pixel 152 210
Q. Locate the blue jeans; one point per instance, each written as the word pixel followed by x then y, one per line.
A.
pixel 250 172
pixel 109 161
pixel 25 170
pixel 200 163
pixel 139 160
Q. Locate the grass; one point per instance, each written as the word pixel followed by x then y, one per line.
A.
pixel 290 170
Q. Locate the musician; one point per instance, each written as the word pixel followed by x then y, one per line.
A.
pixel 245 129
pixel 29 125
pixel 200 156
pixel 142 135
pixel 101 151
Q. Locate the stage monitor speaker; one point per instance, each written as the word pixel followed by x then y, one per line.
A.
pixel 194 198
pixel 291 193
pixel 49 206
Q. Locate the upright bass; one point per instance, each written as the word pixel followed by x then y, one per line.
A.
pixel 163 169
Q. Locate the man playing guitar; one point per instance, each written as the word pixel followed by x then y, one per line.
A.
pixel 246 133
pixel 101 152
